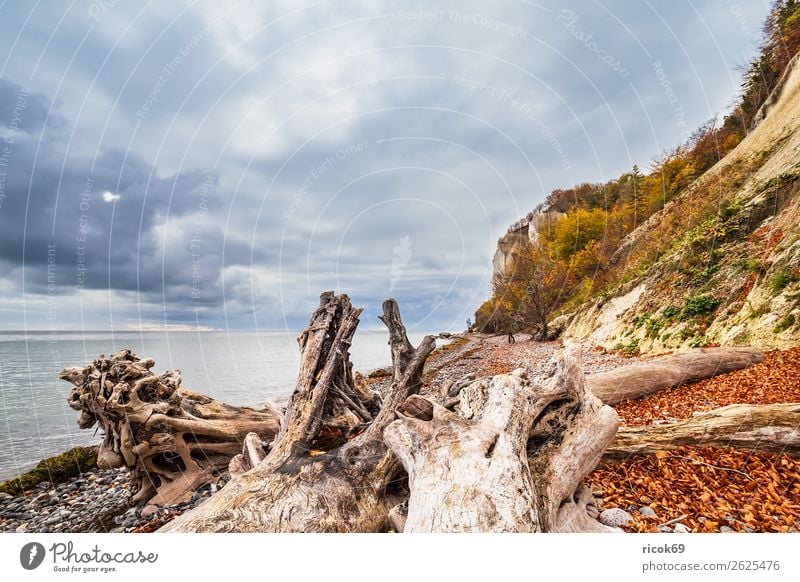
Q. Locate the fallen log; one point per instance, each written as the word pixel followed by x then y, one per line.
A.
pixel 666 372
pixel 309 480
pixel 171 439
pixel 771 428
pixel 512 460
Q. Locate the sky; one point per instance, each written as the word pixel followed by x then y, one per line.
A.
pixel 219 165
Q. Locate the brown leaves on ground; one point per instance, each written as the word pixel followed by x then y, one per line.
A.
pixel 776 379
pixel 712 487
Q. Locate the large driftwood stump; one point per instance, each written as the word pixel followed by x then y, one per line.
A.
pixel 773 428
pixel 665 372
pixel 512 460
pixel 316 477
pixel 171 439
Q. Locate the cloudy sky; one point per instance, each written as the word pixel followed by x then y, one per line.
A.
pixel 221 164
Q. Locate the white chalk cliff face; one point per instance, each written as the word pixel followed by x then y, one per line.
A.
pixel 755 283
pixel 522 233
pixel 507 245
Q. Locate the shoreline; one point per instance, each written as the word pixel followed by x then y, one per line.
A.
pixel 72 505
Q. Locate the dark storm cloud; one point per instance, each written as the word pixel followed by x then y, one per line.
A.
pixel 112 223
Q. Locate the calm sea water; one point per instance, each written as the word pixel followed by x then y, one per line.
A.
pixel 238 368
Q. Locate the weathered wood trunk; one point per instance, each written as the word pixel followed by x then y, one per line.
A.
pixel 308 481
pixel 512 460
pixel 665 372
pixel 767 427
pixel 171 439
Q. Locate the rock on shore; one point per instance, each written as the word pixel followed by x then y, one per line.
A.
pixel 96 501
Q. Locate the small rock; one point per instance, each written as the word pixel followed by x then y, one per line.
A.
pixel 5 497
pixel 665 529
pixel 615 517
pixel 149 511
pixel 647 512
pixel 681 528
pixel 726 529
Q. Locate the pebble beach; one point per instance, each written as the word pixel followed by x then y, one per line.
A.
pixel 99 500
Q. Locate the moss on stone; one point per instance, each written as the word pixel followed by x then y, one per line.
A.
pixel 55 469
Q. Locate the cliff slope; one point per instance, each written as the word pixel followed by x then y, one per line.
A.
pixel 729 267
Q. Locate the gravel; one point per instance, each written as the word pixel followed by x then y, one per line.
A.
pixel 97 501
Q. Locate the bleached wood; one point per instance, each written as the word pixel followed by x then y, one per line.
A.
pixel 512 460
pixel 666 372
pixel 773 428
pixel 171 439
pixel 304 484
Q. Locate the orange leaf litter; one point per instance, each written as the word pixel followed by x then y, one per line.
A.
pixel 714 487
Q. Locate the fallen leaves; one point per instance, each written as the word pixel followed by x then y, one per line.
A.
pixel 714 487
pixel 742 490
pixel 776 379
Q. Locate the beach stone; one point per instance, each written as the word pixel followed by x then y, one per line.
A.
pixel 647 512
pixel 149 511
pixel 615 517
pixel 681 528
pixel 726 529
pixel 5 497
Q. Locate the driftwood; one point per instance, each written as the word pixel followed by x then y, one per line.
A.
pixel 766 427
pixel 171 439
pixel 512 460
pixel 315 477
pixel 502 454
pixel 665 372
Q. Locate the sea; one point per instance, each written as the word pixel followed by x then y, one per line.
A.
pixel 240 368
